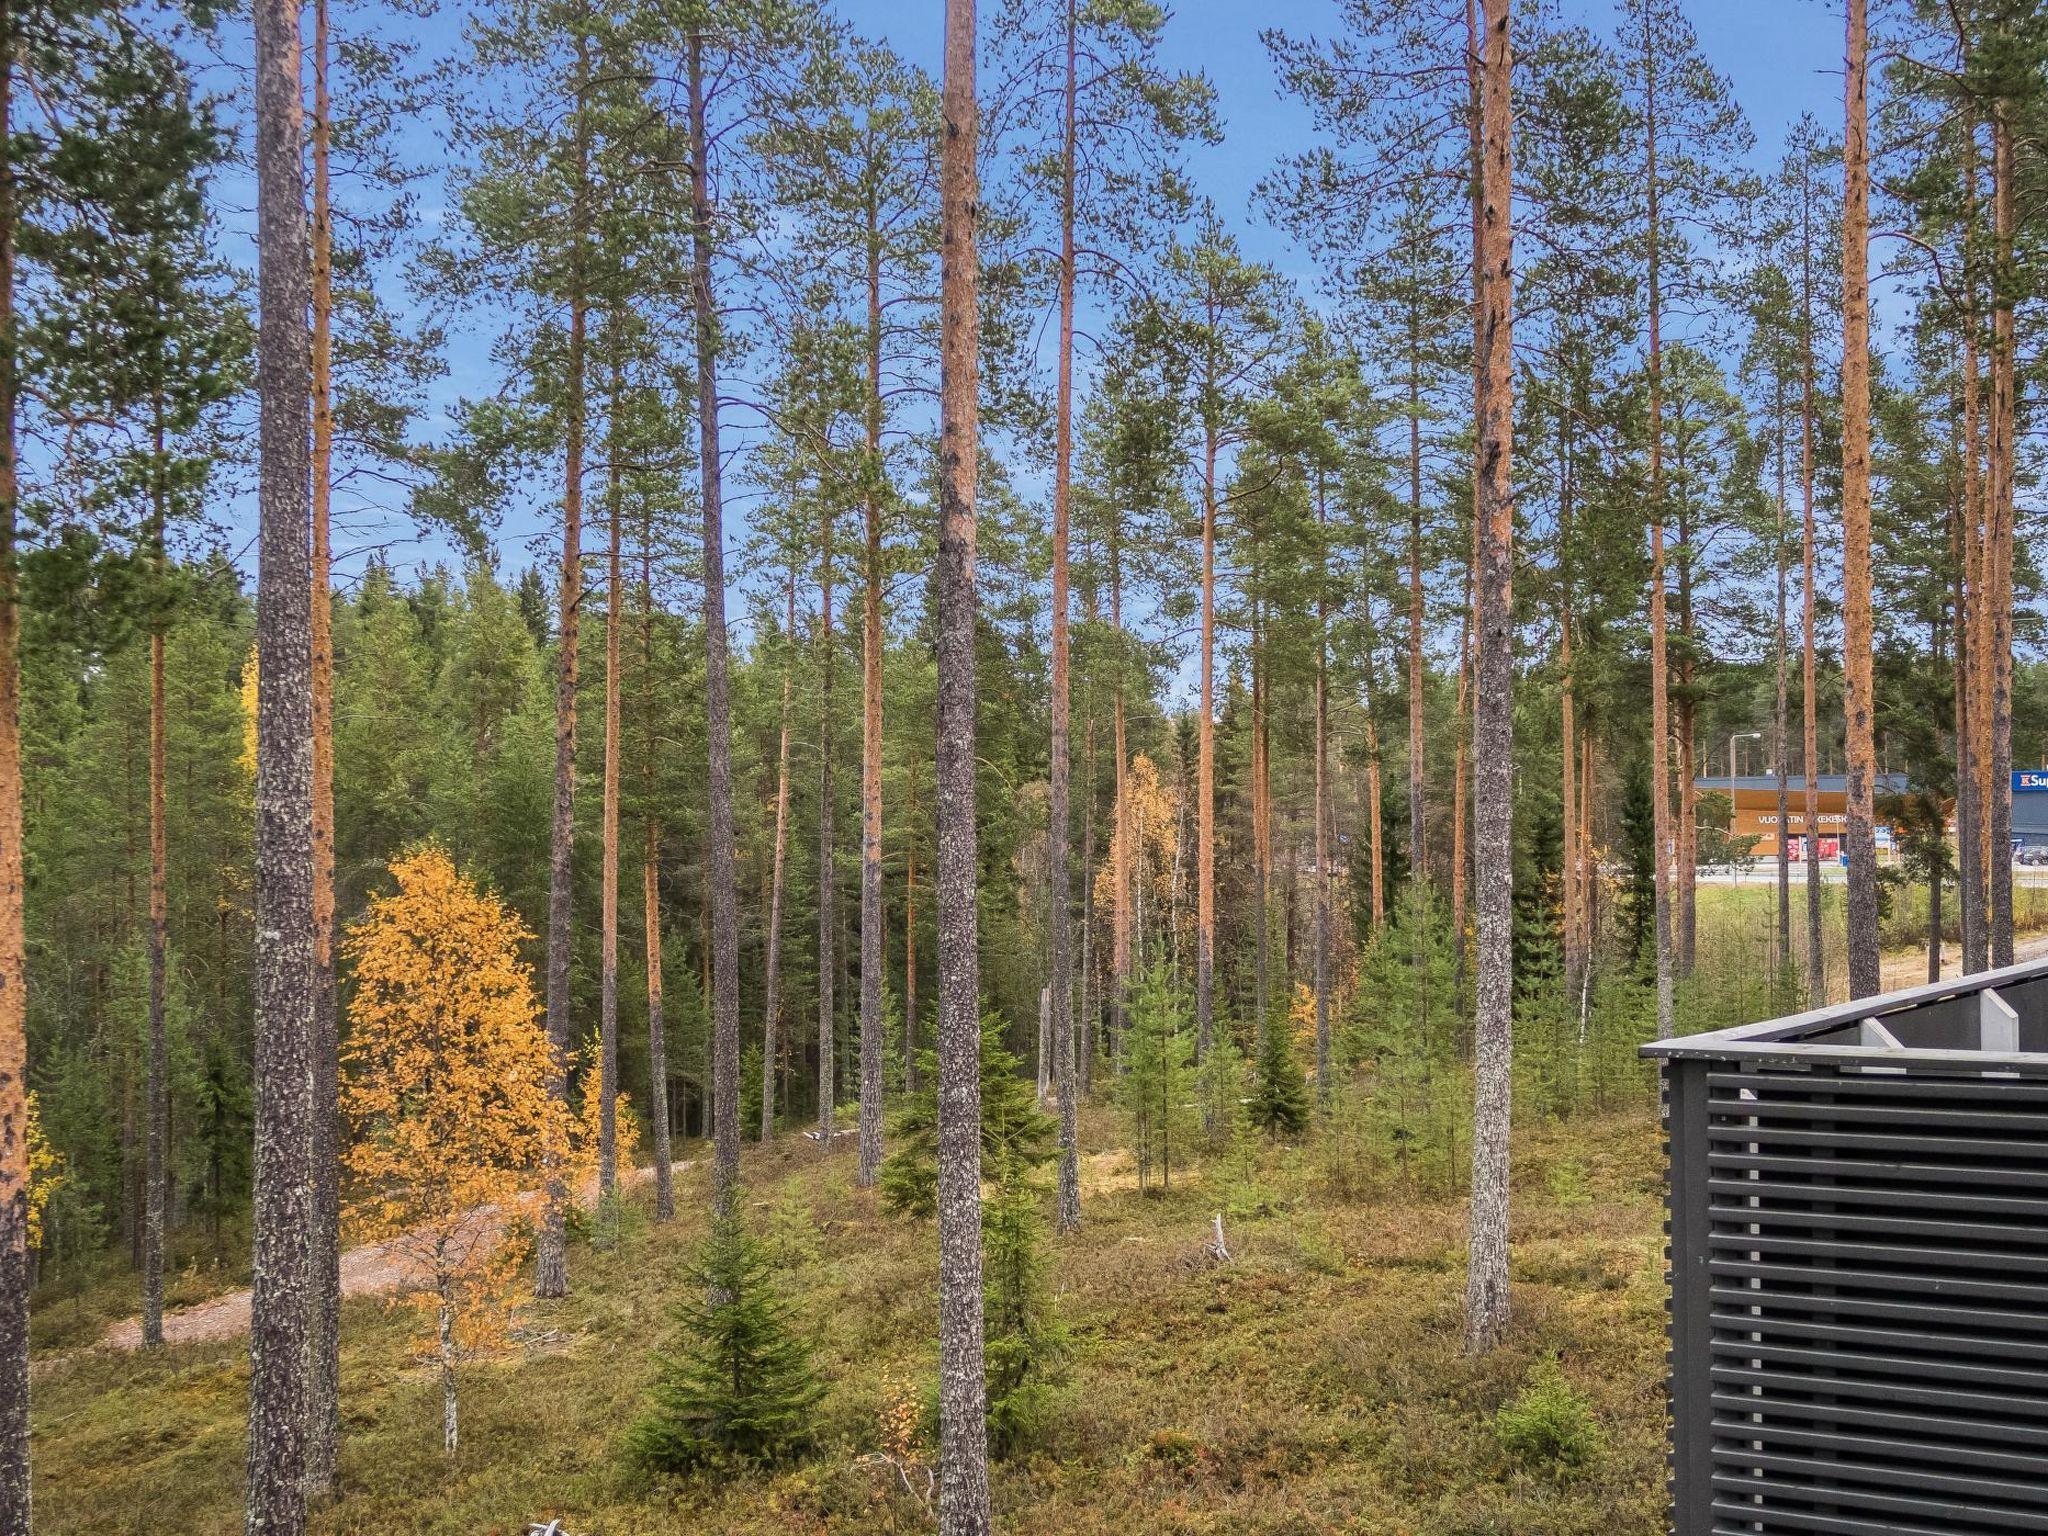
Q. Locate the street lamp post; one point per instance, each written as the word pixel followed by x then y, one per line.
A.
pixel 1739 736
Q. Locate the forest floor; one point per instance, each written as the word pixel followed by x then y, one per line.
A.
pixel 1314 1384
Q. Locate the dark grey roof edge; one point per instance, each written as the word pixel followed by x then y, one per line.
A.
pixel 1783 1038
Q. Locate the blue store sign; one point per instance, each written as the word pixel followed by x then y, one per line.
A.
pixel 2030 781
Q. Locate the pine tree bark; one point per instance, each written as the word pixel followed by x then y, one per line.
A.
pixel 1205 769
pixel 1067 1206
pixel 1780 702
pixel 1123 862
pixel 724 904
pixel 650 896
pixel 1262 832
pixel 323 1413
pixel 963 1423
pixel 1809 609
pixel 871 960
pixel 1971 659
pixel 1418 863
pixel 828 884
pixel 283 1206
pixel 608 893
pixel 772 999
pixel 156 1119
pixel 14 1256
pixel 1859 828
pixel 1486 1282
pixel 551 1247
pixel 1322 811
pixel 1999 541
pixel 1662 832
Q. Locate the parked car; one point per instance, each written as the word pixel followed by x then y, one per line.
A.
pixel 2032 854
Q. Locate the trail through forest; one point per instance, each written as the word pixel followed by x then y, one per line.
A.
pixel 371 1269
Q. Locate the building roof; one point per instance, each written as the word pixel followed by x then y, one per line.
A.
pixel 1826 783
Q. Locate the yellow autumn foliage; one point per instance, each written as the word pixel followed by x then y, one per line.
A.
pixel 445 1091
pixel 248 758
pixel 46 1173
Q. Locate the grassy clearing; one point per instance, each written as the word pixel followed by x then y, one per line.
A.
pixel 1314 1385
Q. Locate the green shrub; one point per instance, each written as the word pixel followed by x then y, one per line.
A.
pixel 1548 1427
pixel 1280 1095
pixel 743 1389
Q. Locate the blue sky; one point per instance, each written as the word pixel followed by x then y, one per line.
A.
pixel 1782 56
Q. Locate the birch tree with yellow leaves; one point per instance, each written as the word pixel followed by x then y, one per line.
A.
pixel 446 1098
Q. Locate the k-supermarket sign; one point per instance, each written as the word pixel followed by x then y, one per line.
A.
pixel 2030 781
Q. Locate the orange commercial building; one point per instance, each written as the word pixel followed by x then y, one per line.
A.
pixel 1755 811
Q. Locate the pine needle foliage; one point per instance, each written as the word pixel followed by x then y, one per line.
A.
pixel 1016 1135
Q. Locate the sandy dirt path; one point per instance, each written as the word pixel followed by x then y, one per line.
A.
pixel 371 1269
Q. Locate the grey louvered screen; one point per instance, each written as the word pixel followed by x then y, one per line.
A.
pixel 1859 1268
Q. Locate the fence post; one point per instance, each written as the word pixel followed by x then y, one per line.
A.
pixel 1688 1221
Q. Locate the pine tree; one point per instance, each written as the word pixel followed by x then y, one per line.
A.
pixel 280 1291
pixel 963 1400
pixel 741 1389
pixel 1158 1080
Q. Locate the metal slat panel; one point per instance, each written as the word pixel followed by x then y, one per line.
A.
pixel 1872 1226
pixel 1926 1259
pixel 1944 1434
pixel 1800 1358
pixel 1950 1515
pixel 2001 1407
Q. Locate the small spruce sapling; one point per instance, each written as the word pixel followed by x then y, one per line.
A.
pixel 741 1388
pixel 1016 1136
pixel 1280 1101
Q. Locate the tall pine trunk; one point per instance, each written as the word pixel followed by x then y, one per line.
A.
pixel 1205 769
pixel 1067 1208
pixel 283 1205
pixel 551 1247
pixel 1809 607
pixel 1418 868
pixel 724 904
pixel 963 1421
pixel 1781 646
pixel 14 1259
pixel 828 884
pixel 1858 703
pixel 772 999
pixel 323 1413
pixel 871 751
pixel 157 1115
pixel 608 893
pixel 650 897
pixel 1322 809
pixel 1999 530
pixel 1486 1281
pixel 1662 833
